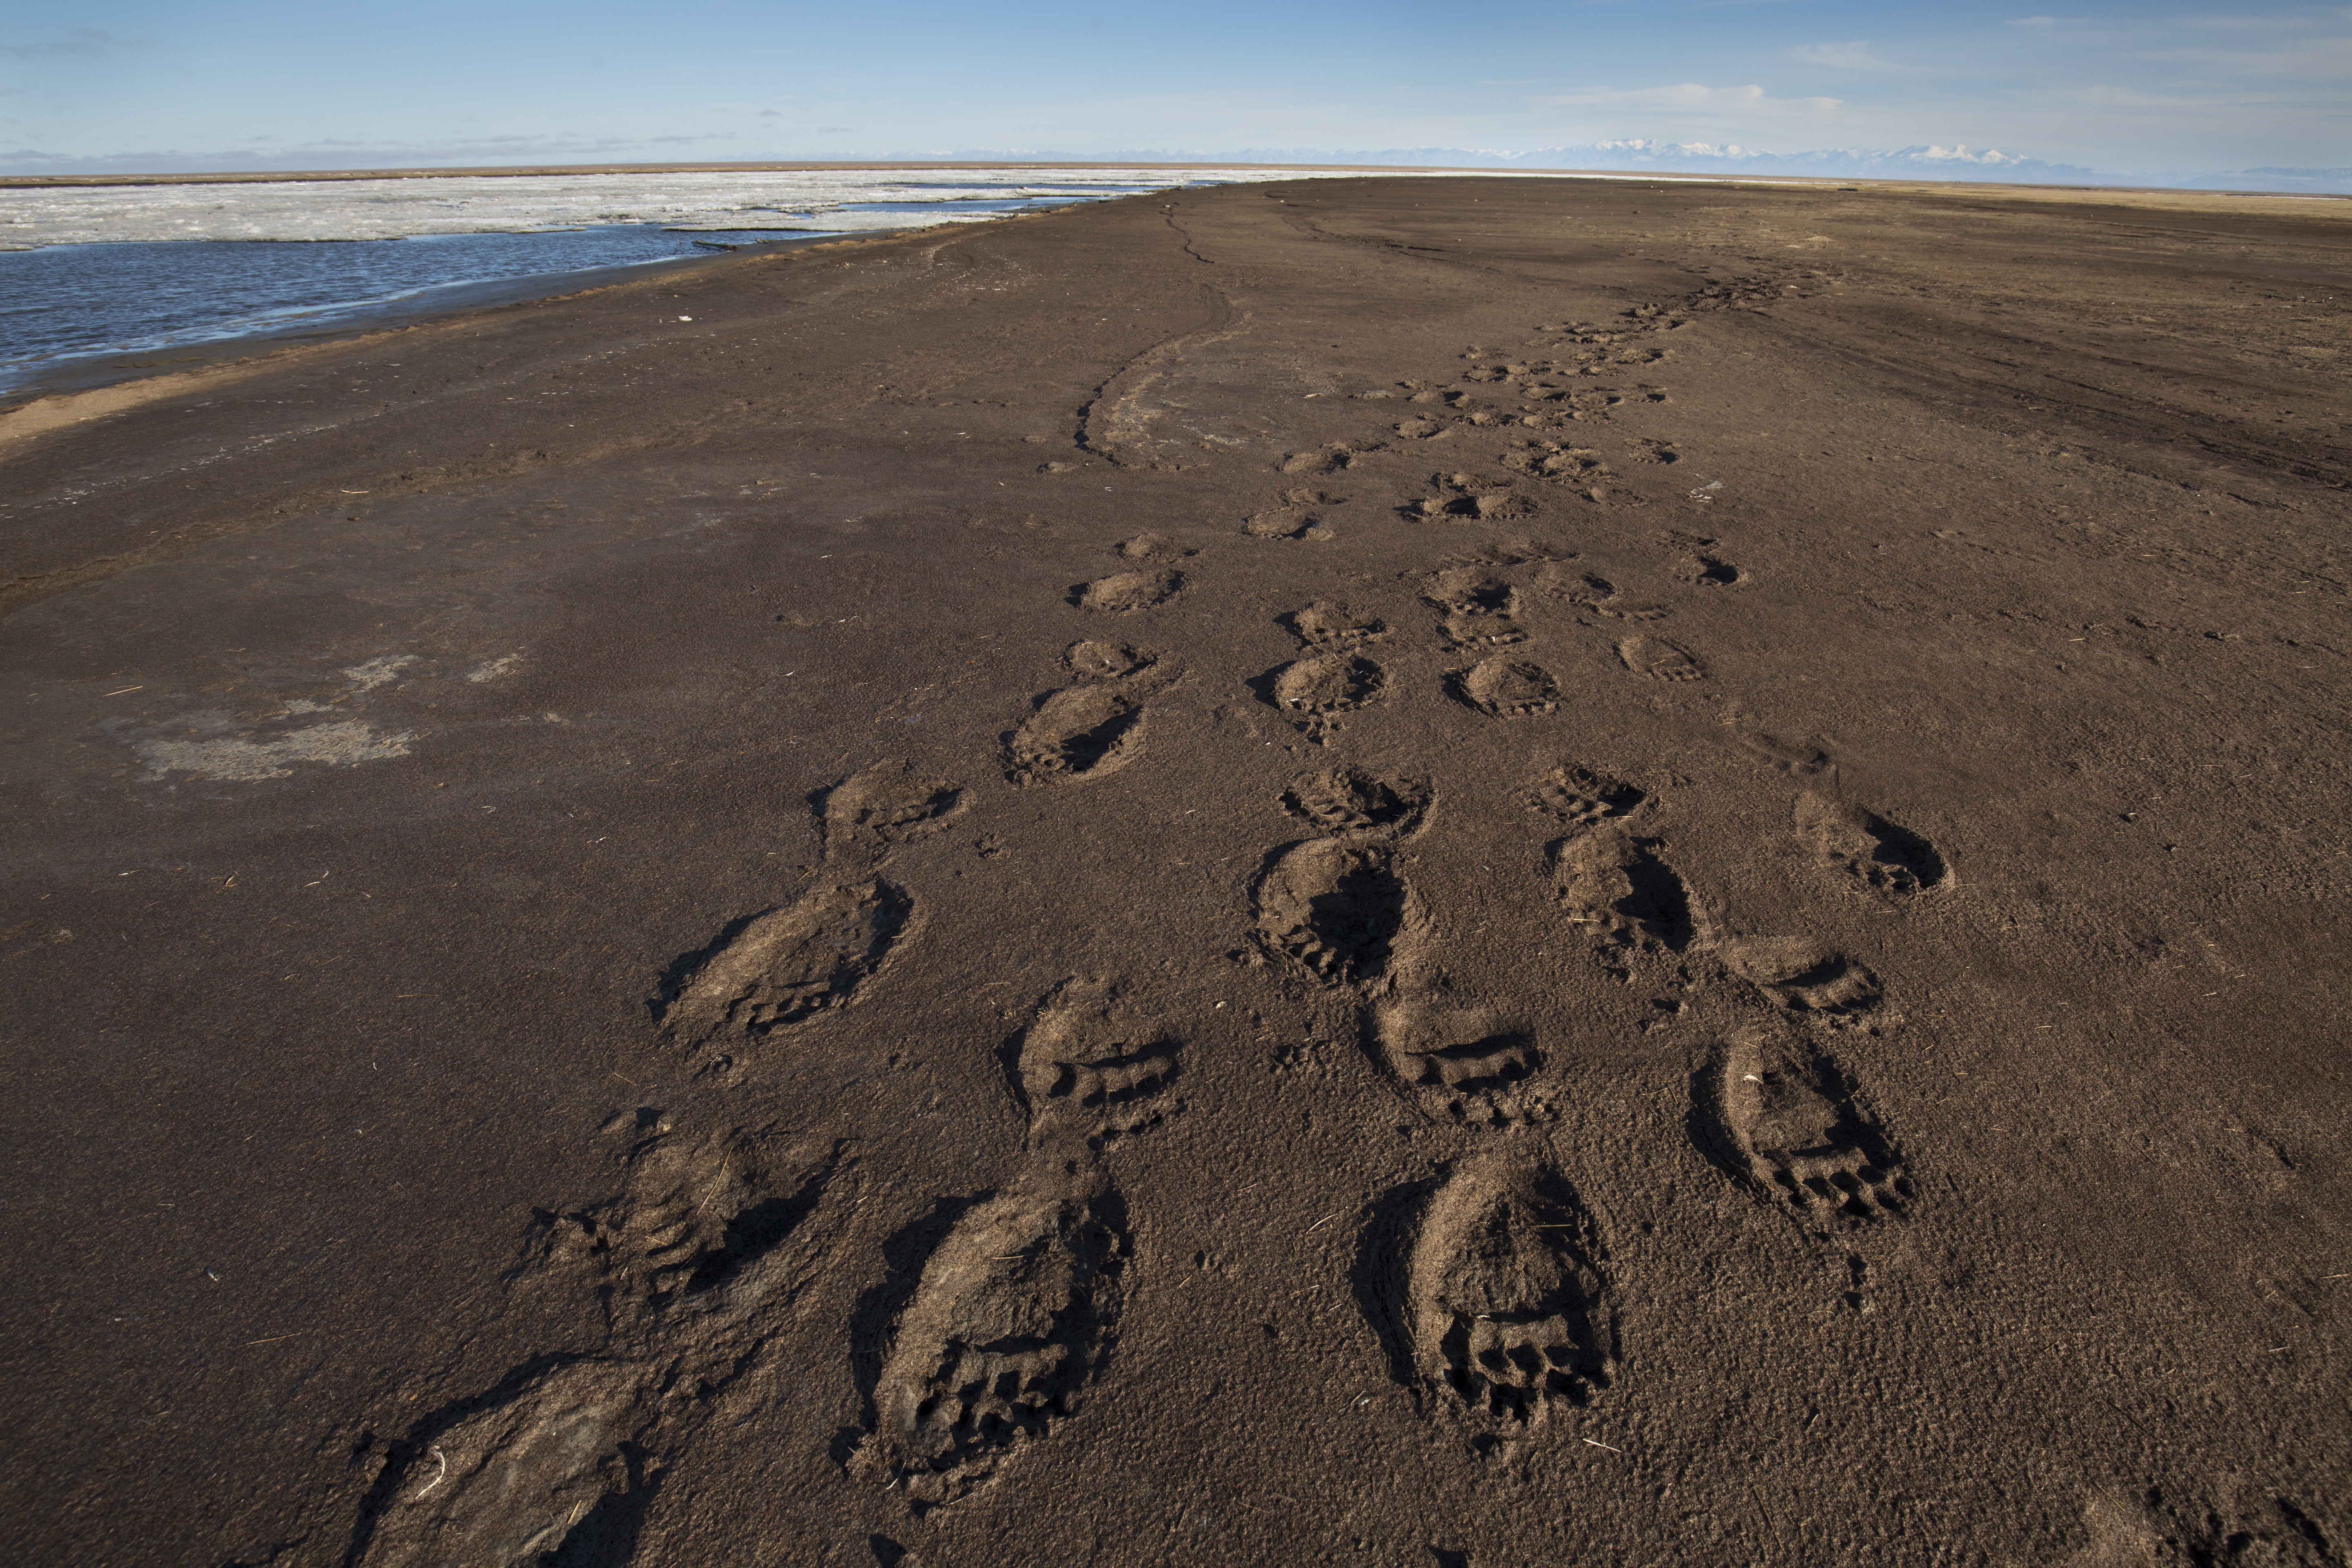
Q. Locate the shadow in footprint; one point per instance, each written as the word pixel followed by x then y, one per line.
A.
pixel 1336 909
pixel 1584 798
pixel 879 1307
pixel 1885 857
pixel 754 1232
pixel 1659 903
pixel 1470 1058
pixel 1510 1307
pixel 1782 1119
pixel 1380 1276
pixel 785 965
pixel 509 1465
pixel 606 1536
pixel 1014 1315
pixel 1620 886
pixel 1341 801
pixel 1082 732
pixel 1903 853
pixel 1094 1061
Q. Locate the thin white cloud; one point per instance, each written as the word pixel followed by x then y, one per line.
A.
pixel 1691 97
pixel 2330 58
pixel 2105 95
pixel 1846 57
pixel 347 154
pixel 82 41
pixel 2278 23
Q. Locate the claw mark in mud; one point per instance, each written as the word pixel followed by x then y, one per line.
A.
pixel 1472 591
pixel 1804 976
pixel 1583 798
pixel 1314 691
pixel 1471 497
pixel 1547 393
pixel 1702 571
pixel 1507 1310
pixel 694 1217
pixel 1083 732
pixel 1507 689
pixel 1301 515
pixel 551 1466
pixel 709 1240
pixel 1116 422
pixel 1123 593
pixel 1016 1314
pixel 1617 885
pixel 1495 506
pixel 1571 466
pixel 1660 660
pixel 1346 801
pixel 1109 661
pixel 1325 625
pixel 1474 1059
pixel 883 805
pixel 2257 1526
pixel 1154 547
pixel 783 967
pixel 1093 1062
pixel 1590 590
pixel 1285 522
pixel 1335 908
pixel 1480 607
pixel 1463 631
pixel 1781 1120
pixel 1888 859
pixel 1794 758
pixel 1331 460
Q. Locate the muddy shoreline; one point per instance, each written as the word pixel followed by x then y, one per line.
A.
pixel 1396 870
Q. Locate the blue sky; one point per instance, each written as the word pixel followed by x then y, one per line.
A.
pixel 262 83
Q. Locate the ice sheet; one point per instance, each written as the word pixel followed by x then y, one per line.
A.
pixel 800 201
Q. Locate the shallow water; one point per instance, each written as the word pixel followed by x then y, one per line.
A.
pixel 63 303
pixel 69 302
pixel 115 270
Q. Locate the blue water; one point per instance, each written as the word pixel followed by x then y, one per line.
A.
pixel 69 303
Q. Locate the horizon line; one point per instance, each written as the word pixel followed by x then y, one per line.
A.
pixel 265 177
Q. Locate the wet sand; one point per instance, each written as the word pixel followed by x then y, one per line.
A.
pixel 1392 872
